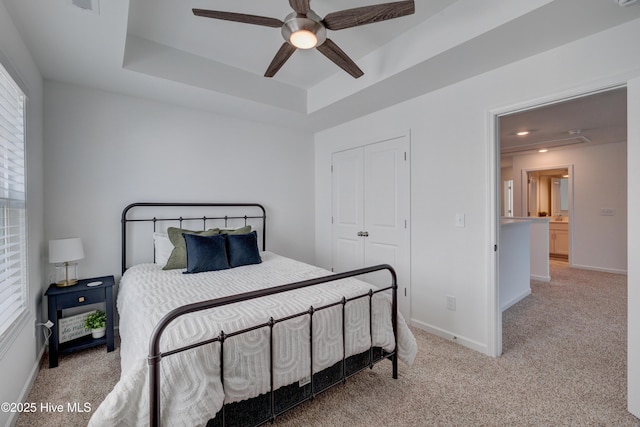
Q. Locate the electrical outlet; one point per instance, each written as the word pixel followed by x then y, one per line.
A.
pixel 48 324
pixel 47 332
pixel 607 212
pixel 451 303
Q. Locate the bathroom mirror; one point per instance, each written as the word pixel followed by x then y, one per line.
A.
pixel 548 193
pixel 560 195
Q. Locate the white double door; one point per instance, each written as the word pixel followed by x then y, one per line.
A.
pixel 370 212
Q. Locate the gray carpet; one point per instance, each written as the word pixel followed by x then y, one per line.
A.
pixel 564 364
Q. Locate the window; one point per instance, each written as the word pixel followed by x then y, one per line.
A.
pixel 13 247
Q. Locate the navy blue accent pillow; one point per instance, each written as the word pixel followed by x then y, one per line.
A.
pixel 243 249
pixel 205 253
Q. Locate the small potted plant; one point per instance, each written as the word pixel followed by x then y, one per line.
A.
pixel 97 322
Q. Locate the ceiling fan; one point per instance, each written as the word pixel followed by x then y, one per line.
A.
pixel 304 29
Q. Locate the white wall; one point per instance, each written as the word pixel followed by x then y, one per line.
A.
pixel 633 277
pixel 452 169
pixel 448 176
pixel 599 181
pixel 104 151
pixel 19 364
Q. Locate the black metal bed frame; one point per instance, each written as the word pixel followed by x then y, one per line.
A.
pixel 155 355
pixel 124 220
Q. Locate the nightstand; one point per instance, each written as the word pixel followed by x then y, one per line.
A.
pixel 77 296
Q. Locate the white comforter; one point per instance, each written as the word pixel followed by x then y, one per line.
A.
pixel 191 388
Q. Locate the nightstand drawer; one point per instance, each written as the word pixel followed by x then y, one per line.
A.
pixel 77 299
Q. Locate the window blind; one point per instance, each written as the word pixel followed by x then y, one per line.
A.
pixel 13 248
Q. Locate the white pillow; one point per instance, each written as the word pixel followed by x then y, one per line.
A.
pixel 163 247
pixel 235 228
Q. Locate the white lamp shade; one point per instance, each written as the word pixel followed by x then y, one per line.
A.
pixel 65 250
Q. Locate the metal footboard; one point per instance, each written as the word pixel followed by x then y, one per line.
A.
pixel 155 355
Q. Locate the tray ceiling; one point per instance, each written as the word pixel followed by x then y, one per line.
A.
pixel 159 50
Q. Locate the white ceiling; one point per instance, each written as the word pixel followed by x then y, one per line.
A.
pixel 251 47
pixel 158 50
pixel 598 118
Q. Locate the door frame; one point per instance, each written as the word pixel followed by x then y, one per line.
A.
pixel 570 168
pixel 494 312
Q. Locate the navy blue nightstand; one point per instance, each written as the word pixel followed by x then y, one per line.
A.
pixel 78 296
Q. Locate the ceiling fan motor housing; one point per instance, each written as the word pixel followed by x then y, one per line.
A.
pixel 311 22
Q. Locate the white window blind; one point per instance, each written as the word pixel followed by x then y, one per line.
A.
pixel 13 248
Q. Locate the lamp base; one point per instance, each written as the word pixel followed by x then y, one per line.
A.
pixel 65 283
pixel 66 274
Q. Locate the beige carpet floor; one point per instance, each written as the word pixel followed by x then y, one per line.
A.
pixel 564 364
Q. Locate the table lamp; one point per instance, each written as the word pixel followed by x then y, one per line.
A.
pixel 62 253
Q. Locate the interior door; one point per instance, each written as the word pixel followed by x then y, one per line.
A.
pixel 348 210
pixel 386 221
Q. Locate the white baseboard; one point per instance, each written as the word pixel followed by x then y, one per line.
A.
pixel 516 299
pixel 465 342
pixel 540 278
pixel 604 270
pixel 24 393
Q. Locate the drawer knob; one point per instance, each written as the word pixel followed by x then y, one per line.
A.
pixel 81 299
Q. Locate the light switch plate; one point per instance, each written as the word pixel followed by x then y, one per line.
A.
pixel 460 220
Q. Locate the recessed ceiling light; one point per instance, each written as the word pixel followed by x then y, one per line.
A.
pixel 542 150
pixel 523 133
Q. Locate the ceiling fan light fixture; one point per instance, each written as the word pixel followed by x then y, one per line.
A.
pixel 303 39
pixel 304 32
pixel 304 29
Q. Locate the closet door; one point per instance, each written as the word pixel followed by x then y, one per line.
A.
pixel 371 208
pixel 386 208
pixel 348 210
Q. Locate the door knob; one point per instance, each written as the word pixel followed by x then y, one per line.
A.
pixel 365 234
pixel 360 233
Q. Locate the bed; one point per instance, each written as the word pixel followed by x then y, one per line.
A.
pixel 238 346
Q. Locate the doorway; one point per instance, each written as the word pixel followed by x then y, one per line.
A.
pixel 561 128
pixel 549 193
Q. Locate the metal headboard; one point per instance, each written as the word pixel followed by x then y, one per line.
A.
pixel 247 207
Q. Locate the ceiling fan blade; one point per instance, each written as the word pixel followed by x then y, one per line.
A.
pixel 368 14
pixel 300 6
pixel 285 51
pixel 337 55
pixel 239 17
